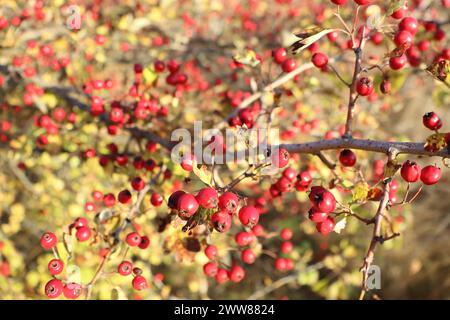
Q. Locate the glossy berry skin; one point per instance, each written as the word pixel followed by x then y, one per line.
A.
pixel 280 264
pixel 397 63
pixel 286 234
pixel 133 239
pixel 362 2
pixel 236 274
pixel 339 2
pixel 124 196
pixel 138 184
pixel 221 221
pixel 289 65
pixel 347 158
pixel 210 269
pixel 222 276
pixel 279 55
pixel 207 198
pixel 48 240
pixel 326 227
pixel 364 86
pixel 249 216
pixel 410 171
pixel 211 252
pixel 430 175
pixel 280 158
pixel 109 200
pixel 187 163
pixel 286 247
pixel 54 288
pixel 145 242
pixel 244 238
pixel 248 256
pixel 83 234
pixel 173 199
pixel 187 205
pixel 228 202
pixel 432 121
pixel 317 216
pixel 72 290
pixel 403 38
pixel 290 174
pixel 55 266
pixel 323 201
pixel 139 283
pixel 80 222
pixel 125 268
pixel 319 59
pixel 409 24
pixel 156 199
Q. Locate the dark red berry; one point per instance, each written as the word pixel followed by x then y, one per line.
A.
pixel 187 205
pixel 364 86
pixel 432 121
pixel 347 158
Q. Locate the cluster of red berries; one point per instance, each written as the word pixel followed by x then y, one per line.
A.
pixel 412 172
pixel 126 268
pixel 290 179
pixel 212 269
pixel 283 263
pixel 323 203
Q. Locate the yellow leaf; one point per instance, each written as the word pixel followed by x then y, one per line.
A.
pixel 203 174
pixel 360 191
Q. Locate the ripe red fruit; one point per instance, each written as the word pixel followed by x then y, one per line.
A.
pixel 326 226
pixel 317 216
pixel 53 288
pixel 339 2
pixel 236 274
pixel 187 205
pixel 244 238
pixel 83 234
pixel 138 184
pixel 347 158
pixel 156 199
pixel 109 200
pixel 187 162
pixel 286 247
pixel 89 207
pixel 207 198
pixel 319 59
pixel 396 63
pixel 125 196
pixel 280 264
pixel 364 86
pixel 410 171
pixel 280 158
pixel 289 65
pixel 210 269
pixel 430 175
pixel 286 234
pixel 228 202
pixel 80 222
pixel 322 199
pixel 125 268
pixel 145 242
pixel 362 2
pixel 248 256
pixel 221 221
pixel 159 66
pixel 133 239
pixel 403 38
pixel 211 252
pixel 222 276
pixel 55 266
pixel 173 199
pixel 139 283
pixel 249 216
pixel 432 121
pixel 290 174
pixel 279 55
pixel 48 240
pixel 409 24
pixel 72 290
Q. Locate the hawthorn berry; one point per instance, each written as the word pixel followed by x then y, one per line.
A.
pixel 279 55
pixel 228 202
pixel 156 199
pixel 244 238
pixel 249 216
pixel 187 205
pixel 221 221
pixel 55 266
pixel 145 242
pixel 319 59
pixel 207 198
pixel 280 264
pixel 173 199
pixel 72 290
pixel 286 234
pixel 410 171
pixel 322 199
pixel 317 216
pixel 236 274
pixel 211 252
pixel 289 65
pixel 280 158
pixel 362 2
pixel 325 227
pixel 54 288
pixel 125 268
pixel 83 234
pixel 133 239
pixel 210 269
pixel 89 207
pixel 187 162
pixel 286 247
pixel 221 275
pixel 364 86
pixel 398 62
pixel 125 196
pixel 409 24
pixel 80 222
pixel 432 121
pixel 48 240
pixel 248 256
pixel 290 174
pixel 109 200
pixel 430 175
pixel 403 38
pixel 347 158
pixel 139 283
pixel 138 184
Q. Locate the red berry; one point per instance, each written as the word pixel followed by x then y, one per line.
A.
pixel 280 158
pixel 322 200
pixel 410 171
pixel 286 234
pixel 48 240
pixel 55 266
pixel 244 238
pixel 221 221
pixel 279 55
pixel 289 65
pixel 248 256
pixel 317 216
pixel 145 242
pixel 319 59
pixel 326 226
pixel 385 86
pixel 280 264
pixel 432 121
pixel 89 207
pixel 156 199
pixel 72 290
pixel 138 184
pixel 362 2
pixel 339 2
pixel 125 196
pixel 249 216
pixel 133 239
pixel 207 198
pixel 125 268
pixel 210 269
pixel 83 234
pixel 364 86
pixel 109 200
pixel 173 199
pixel 228 202
pixel 222 276
pixel 80 222
pixel 403 38
pixel 396 63
pixel 53 288
pixel 290 174
pixel 187 205
pixel 347 158
pixel 409 24
pixel 139 283
pixel 187 162
pixel 211 252
pixel 236 273
pixel 430 175
pixel 286 247
pixel 159 66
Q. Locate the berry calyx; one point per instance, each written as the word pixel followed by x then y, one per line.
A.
pixel 55 266
pixel 133 239
pixel 48 240
pixel 228 202
pixel 125 268
pixel 364 86
pixel 53 288
pixel 139 283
